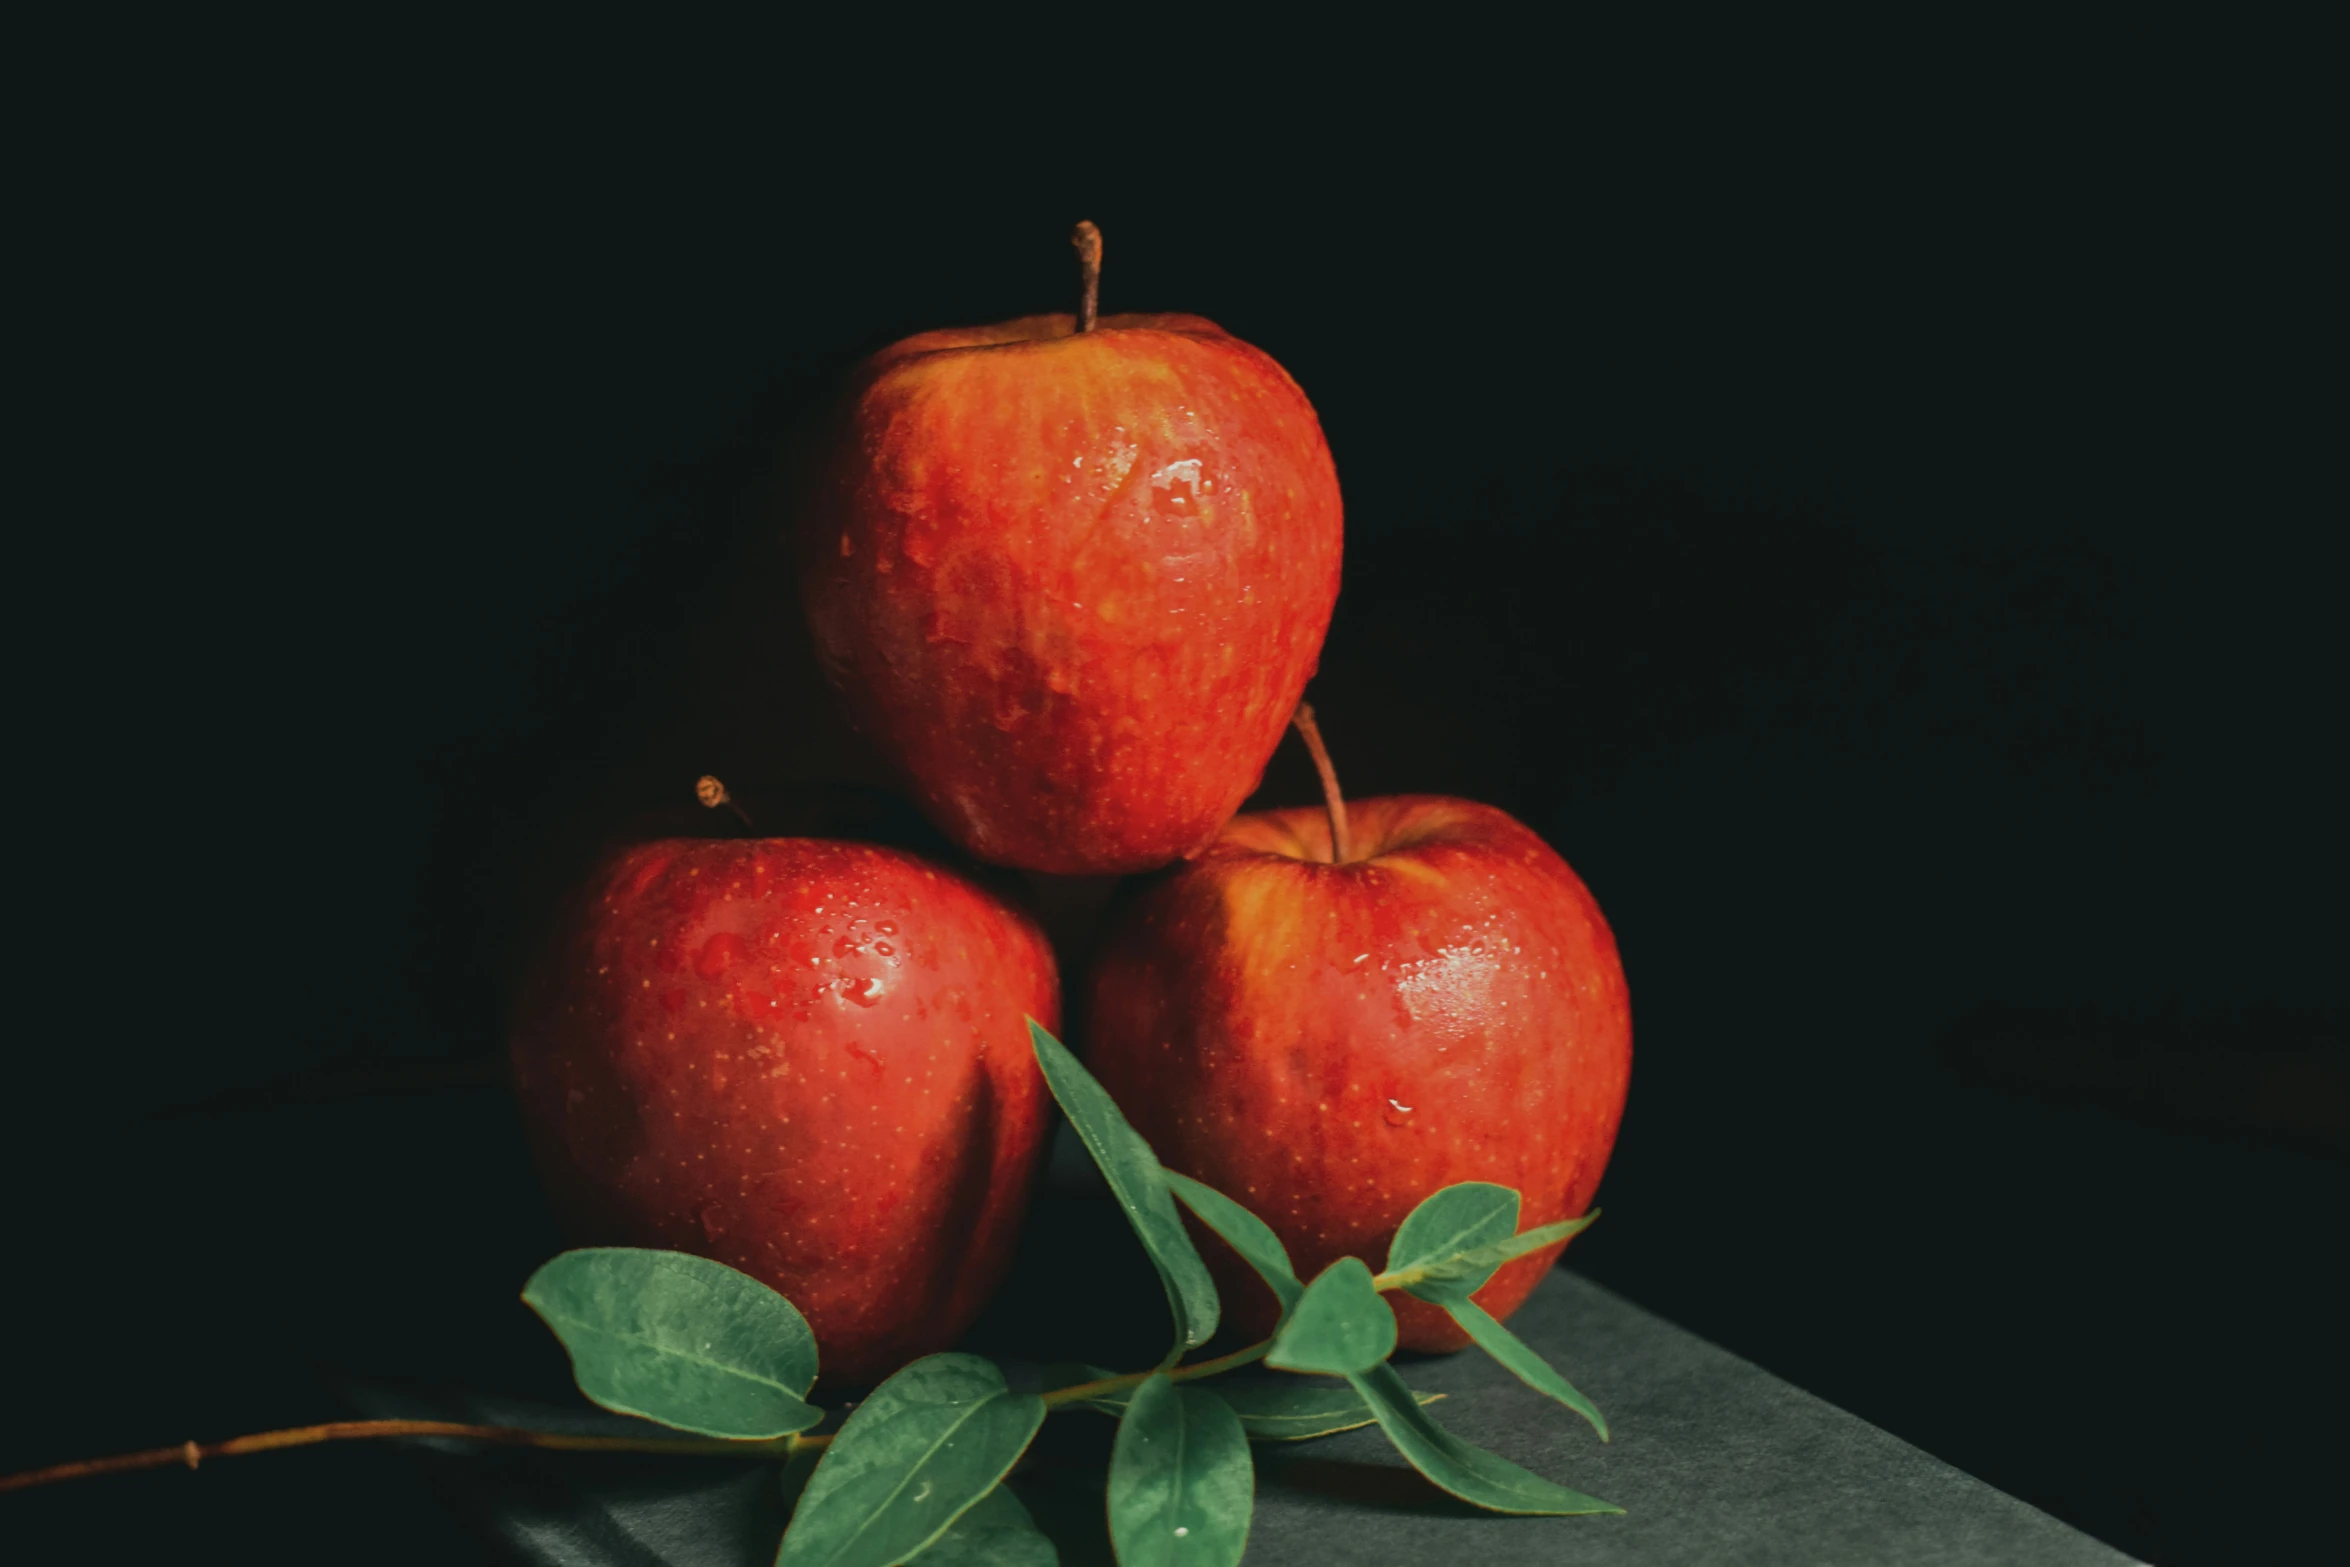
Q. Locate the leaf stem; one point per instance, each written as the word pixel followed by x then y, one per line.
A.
pixel 1078 1393
pixel 192 1453
pixel 1341 851
pixel 1231 1362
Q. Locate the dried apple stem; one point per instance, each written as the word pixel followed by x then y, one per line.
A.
pixel 1088 241
pixel 1341 850
pixel 713 794
pixel 191 1454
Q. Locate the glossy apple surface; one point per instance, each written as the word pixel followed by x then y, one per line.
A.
pixel 1330 1043
pixel 804 1058
pixel 1071 584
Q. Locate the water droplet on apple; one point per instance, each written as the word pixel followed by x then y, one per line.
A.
pixel 864 994
pixel 714 1220
pixel 1396 1113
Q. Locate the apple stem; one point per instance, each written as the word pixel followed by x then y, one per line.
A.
pixel 713 794
pixel 191 1454
pixel 1341 851
pixel 1088 241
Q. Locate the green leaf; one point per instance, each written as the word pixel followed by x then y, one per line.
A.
pixel 1296 1412
pixel 996 1532
pixel 1339 1325
pixel 680 1339
pixel 1244 1232
pixel 1449 1246
pixel 1181 1481
pixel 1269 1412
pixel 1140 1186
pixel 1468 1472
pixel 1485 1259
pixel 1528 1367
pixel 929 1443
pixel 1447 1225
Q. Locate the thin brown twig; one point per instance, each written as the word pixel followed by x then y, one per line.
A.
pixel 191 1454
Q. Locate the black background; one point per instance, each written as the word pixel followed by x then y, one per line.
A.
pixel 1873 502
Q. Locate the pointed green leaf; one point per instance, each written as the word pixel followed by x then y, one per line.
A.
pixel 1140 1186
pixel 1295 1412
pixel 1244 1232
pixel 1447 1224
pixel 1269 1412
pixel 1441 1280
pixel 996 1532
pixel 1339 1325
pixel 1450 1245
pixel 1468 1472
pixel 680 1339
pixel 929 1443
pixel 1528 1367
pixel 1181 1481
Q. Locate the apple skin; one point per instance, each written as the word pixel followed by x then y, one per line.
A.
pixel 1328 1044
pixel 1072 584
pixel 805 1059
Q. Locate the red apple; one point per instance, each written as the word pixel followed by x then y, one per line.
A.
pixel 804 1058
pixel 1329 1042
pixel 1071 583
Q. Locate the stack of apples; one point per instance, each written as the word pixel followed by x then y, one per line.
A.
pixel 1071 575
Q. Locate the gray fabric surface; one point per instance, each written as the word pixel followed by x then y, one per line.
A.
pixel 1715 1461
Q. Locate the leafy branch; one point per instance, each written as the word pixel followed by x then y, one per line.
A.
pixel 916 1470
